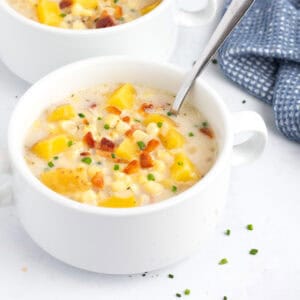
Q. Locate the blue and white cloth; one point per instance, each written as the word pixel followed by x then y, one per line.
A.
pixel 263 56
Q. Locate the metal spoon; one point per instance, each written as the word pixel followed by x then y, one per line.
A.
pixel 233 15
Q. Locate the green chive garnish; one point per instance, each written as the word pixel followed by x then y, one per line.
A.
pixel 250 227
pixel 169 114
pixel 187 292
pixel 159 124
pixel 113 155
pixel 106 126
pixel 223 261
pixel 62 15
pixel 50 164
pixel 253 251
pixel 174 189
pixel 180 163
pixel 87 160
pixel 80 115
pixel 205 124
pixel 55 157
pixel 178 295
pixel 116 167
pixel 150 177
pixel 171 276
pixel 137 120
pixel 141 145
pixel 225 298
pixel 70 143
pixel 191 134
pixel 227 232
pixel 99 118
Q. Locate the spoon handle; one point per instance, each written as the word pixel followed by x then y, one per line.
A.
pixel 233 15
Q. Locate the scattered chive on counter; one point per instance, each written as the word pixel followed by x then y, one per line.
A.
pixel 223 261
pixel 214 61
pixel 250 227
pixel 253 251
pixel 178 295
pixel 171 276
pixel 187 292
pixel 227 232
pixel 225 298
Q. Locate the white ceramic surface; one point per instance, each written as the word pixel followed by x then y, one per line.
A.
pixel 31 49
pixel 125 241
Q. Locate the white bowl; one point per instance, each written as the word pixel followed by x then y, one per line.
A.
pixel 125 241
pixel 31 50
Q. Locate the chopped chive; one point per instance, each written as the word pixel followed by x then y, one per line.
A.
pixel 169 113
pixel 171 276
pixel 106 126
pixel 150 177
pixel 55 157
pixel 214 61
pixel 116 167
pixel 187 292
pixel 223 261
pixel 137 120
pixel 62 15
pixel 244 101
pixel 250 227
pixel 116 1
pixel 99 163
pixel 113 155
pixel 191 134
pixel 80 115
pixel 99 118
pixel 180 163
pixel 141 145
pixel 87 160
pixel 50 164
pixel 205 124
pixel 225 298
pixel 227 232
pixel 159 124
pixel 253 251
pixel 70 143
pixel 174 189
pixel 178 295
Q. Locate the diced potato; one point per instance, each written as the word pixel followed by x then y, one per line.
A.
pixel 128 149
pixel 153 188
pixel 140 135
pixel 117 202
pixel 159 166
pixel 66 181
pixel 111 120
pixel 51 146
pixel 62 113
pixel 48 13
pixel 119 186
pixel 183 169
pixel 152 129
pixel 88 197
pixel 122 127
pixel 157 118
pixel 88 4
pixel 80 10
pixel 150 7
pixel 173 139
pixel 78 25
pixel 123 97
pixel 165 156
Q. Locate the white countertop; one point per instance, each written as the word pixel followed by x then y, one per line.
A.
pixel 265 194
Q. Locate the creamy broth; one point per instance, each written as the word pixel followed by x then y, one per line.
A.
pixel 83 14
pixel 117 145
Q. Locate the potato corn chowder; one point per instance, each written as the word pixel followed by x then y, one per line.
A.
pixel 117 145
pixel 83 14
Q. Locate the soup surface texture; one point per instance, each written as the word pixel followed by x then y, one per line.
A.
pixel 83 14
pixel 117 145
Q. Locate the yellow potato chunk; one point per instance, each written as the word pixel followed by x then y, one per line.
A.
pixel 183 169
pixel 48 13
pixel 116 202
pixel 88 4
pixel 51 146
pixel 157 118
pixel 150 7
pixel 173 139
pixel 128 149
pixel 66 181
pixel 123 97
pixel 62 113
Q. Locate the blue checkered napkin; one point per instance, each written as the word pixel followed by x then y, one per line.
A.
pixel 263 56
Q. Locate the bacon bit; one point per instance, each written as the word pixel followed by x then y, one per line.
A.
pixel 126 119
pixel 130 132
pixel 145 106
pixel 98 180
pixel 152 145
pixel 85 153
pixel 94 105
pixel 207 131
pixel 146 160
pixel 132 167
pixel 113 110
pixel 118 12
pixel 85 122
pixel 89 140
pixel 65 3
pixel 104 22
pixel 106 145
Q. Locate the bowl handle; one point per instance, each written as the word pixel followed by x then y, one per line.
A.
pixel 5 180
pixel 207 16
pixel 249 150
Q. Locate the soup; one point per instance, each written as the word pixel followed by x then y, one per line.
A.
pixel 118 145
pixel 83 14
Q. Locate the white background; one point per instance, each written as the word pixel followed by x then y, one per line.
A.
pixel 265 194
